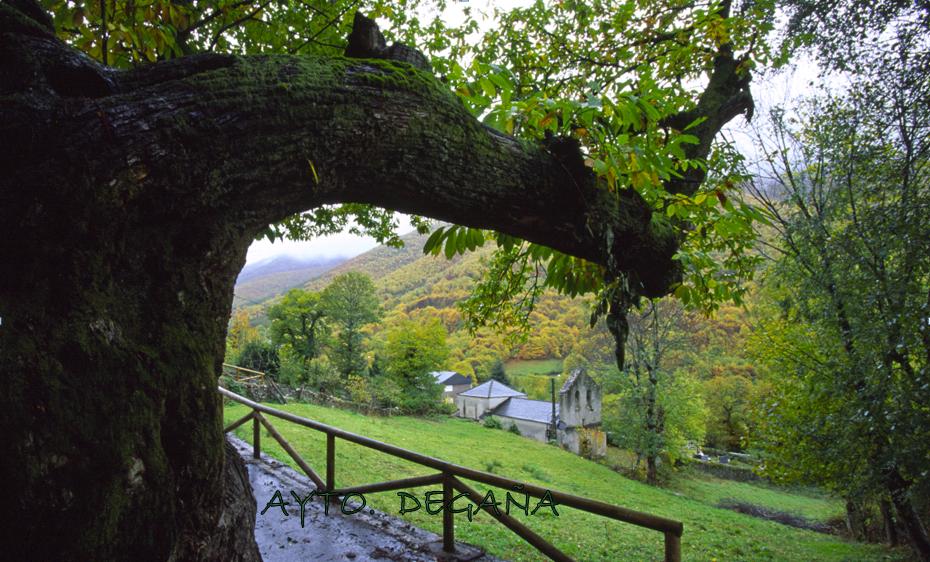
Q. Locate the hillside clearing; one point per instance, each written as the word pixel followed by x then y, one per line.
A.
pixel 710 532
pixel 534 367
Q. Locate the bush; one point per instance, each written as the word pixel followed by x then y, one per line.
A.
pixel 514 429
pixel 292 369
pixel 230 383
pixel 447 408
pixel 492 422
pixel 259 355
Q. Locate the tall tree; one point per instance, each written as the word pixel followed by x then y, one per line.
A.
pixel 129 199
pixel 729 401
pixel 412 350
pixel 849 195
pixel 351 303
pixel 260 355
pixel 240 333
pixel 298 320
pixel 658 410
pixel 840 31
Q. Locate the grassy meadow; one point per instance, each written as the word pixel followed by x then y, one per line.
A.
pixel 710 533
pixel 534 367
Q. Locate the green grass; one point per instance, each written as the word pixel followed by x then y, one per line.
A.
pixel 710 533
pixel 709 489
pixel 536 387
pixel 694 484
pixel 534 367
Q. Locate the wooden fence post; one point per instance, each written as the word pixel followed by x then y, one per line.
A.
pixel 256 435
pixel 672 547
pixel 448 517
pixel 330 462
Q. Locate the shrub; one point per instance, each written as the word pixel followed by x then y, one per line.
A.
pixel 514 429
pixel 259 355
pixel 492 422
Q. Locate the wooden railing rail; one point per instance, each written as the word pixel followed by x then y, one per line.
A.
pixel 450 476
pixel 263 378
pixel 236 369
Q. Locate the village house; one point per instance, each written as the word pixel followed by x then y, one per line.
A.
pixel 475 402
pixel 452 383
pixel 573 419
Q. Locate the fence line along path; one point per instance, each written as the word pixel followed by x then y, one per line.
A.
pixel 449 475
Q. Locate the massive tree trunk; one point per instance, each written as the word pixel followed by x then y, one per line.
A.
pixel 127 203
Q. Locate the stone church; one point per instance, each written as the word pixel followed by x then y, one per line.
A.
pixel 572 419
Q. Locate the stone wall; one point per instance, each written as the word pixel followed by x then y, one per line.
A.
pixel 532 429
pixel 580 404
pixel 474 407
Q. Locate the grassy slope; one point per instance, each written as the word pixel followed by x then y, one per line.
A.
pixel 710 533
pixel 534 367
pixel 710 490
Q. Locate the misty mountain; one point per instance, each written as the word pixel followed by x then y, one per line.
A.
pixel 268 278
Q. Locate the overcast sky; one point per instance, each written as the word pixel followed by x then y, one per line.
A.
pixel 343 244
pixel 768 90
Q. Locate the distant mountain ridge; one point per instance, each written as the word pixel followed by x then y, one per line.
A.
pixel 285 262
pixel 376 263
pixel 271 277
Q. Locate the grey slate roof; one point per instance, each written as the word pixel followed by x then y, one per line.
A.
pixel 450 378
pixel 491 389
pixel 525 409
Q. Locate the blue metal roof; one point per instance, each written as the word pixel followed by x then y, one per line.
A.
pixel 525 409
pixel 491 389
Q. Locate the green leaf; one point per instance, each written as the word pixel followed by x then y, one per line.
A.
pixel 316 178
pixel 434 242
pixel 461 241
pixel 488 87
pixel 475 238
pixel 450 247
pixel 695 123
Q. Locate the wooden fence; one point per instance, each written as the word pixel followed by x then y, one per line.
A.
pixel 248 377
pixel 450 476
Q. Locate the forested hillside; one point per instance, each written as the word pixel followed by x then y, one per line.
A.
pixel 708 352
pixel 416 286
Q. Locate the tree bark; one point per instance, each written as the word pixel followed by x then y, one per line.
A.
pixel 856 520
pixel 652 473
pixel 127 203
pixel 910 520
pixel 888 522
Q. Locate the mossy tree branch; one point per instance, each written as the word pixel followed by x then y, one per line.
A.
pixel 127 203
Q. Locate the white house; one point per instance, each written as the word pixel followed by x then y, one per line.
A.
pixel 452 383
pixel 574 421
pixel 475 402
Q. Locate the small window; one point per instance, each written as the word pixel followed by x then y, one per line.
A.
pixel 577 400
pixel 587 395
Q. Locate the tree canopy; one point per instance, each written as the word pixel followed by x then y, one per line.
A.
pixel 350 302
pixel 130 194
pixel 626 82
